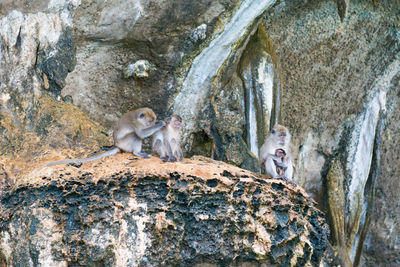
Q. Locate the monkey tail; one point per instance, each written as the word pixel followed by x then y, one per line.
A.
pixel 113 151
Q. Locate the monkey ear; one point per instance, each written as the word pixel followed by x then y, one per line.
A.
pixel 169 119
pixel 273 131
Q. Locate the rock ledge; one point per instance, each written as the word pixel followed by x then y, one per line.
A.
pixel 124 211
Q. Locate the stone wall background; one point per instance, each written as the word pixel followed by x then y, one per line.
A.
pixel 67 74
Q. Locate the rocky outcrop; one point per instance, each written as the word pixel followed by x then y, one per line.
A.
pixel 124 211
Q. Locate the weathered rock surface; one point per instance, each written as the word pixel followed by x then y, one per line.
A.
pixel 124 211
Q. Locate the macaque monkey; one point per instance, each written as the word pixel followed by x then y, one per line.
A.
pixel 273 154
pixel 166 142
pixel 279 161
pixel 128 133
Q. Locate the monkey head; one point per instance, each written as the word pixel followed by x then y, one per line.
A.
pixel 146 117
pixel 281 135
pixel 175 121
pixel 280 153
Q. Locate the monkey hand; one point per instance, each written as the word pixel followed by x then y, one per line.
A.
pixel 161 123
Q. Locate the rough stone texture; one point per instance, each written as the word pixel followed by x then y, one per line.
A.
pixel 123 211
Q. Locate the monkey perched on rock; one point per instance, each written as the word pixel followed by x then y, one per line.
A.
pixel 166 141
pixel 273 154
pixel 128 133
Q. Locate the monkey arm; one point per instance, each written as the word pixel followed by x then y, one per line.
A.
pixel 275 157
pixel 281 164
pixel 270 168
pixel 151 130
pixel 264 157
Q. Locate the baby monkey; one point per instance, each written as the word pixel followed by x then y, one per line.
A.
pixel 166 141
pixel 128 134
pixel 280 161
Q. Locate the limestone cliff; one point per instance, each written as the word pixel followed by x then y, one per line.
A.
pixel 328 70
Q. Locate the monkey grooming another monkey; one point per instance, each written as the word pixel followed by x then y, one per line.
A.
pixel 273 154
pixel 128 133
pixel 166 141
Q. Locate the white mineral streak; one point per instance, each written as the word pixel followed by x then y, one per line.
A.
pixel 266 80
pixel 130 242
pixel 252 123
pixel 206 65
pixel 48 235
pixel 265 91
pixel 362 140
pixel 263 85
pixel 131 245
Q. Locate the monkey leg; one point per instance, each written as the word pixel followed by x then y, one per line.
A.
pixel 159 148
pixel 130 143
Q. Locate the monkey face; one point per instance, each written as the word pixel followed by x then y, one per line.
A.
pixel 282 138
pixel 175 121
pixel 281 135
pixel 177 124
pixel 147 117
pixel 280 153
